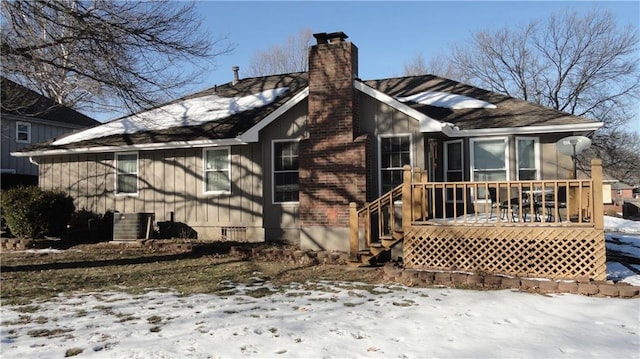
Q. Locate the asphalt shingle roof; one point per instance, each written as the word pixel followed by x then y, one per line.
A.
pixel 509 112
pixel 19 100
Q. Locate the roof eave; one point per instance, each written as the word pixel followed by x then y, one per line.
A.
pixel 43 121
pixel 526 130
pixel 140 147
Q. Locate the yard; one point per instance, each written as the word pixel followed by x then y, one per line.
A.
pixel 110 301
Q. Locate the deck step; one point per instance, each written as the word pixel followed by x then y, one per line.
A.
pixel 377 248
pixel 390 240
pixel 365 256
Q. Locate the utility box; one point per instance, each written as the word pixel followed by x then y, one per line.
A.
pixel 132 226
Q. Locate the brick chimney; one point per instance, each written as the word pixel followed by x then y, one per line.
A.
pixel 332 159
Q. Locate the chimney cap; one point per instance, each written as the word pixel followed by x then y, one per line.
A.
pixel 324 38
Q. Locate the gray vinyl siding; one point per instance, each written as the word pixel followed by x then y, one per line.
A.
pixel 281 219
pixel 169 181
pixel 376 119
pixel 39 132
pixel 554 164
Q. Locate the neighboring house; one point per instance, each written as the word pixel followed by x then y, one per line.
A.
pixel 281 157
pixel 28 118
pixel 616 193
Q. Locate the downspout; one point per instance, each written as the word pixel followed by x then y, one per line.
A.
pixel 33 161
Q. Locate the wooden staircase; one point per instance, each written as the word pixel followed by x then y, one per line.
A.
pixel 379 252
pixel 384 221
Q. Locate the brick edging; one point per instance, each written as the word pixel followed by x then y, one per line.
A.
pixel 16 244
pixel 424 278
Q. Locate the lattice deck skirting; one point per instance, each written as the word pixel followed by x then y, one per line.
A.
pixel 539 252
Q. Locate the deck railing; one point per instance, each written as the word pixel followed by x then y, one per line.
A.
pixel 543 203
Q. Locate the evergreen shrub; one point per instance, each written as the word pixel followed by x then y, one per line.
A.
pixel 31 212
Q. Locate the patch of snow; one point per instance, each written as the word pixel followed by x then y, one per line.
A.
pixel 617 271
pixel 44 250
pixel 615 224
pixel 326 320
pixel 189 112
pixel 446 100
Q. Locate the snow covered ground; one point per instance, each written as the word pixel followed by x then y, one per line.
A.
pixel 623 236
pixel 332 320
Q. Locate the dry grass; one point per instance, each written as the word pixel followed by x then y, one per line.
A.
pixel 101 267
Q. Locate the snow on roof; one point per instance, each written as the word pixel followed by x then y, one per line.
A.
pixel 446 100
pixel 190 112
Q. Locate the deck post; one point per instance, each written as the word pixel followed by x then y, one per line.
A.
pixel 598 205
pixel 406 197
pixel 354 240
pixel 416 195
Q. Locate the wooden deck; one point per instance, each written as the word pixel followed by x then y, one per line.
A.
pixel 551 229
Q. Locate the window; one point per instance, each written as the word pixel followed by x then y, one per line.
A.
pixel 127 173
pixel 453 162
pixel 528 158
pixel 23 132
pixel 217 170
pixel 395 152
pixel 285 171
pixel 489 159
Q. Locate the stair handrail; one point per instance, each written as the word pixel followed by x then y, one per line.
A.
pixel 401 192
pixel 387 200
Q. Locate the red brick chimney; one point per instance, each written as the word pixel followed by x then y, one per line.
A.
pixel 332 159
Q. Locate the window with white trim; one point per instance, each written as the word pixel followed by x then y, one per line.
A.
pixel 23 132
pixel 453 167
pixel 217 170
pixel 528 158
pixel 489 159
pixel 285 171
pixel 127 173
pixel 395 152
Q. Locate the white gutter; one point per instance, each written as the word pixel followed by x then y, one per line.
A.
pixel 454 132
pixel 141 147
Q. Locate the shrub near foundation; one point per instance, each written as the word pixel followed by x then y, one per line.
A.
pixel 31 212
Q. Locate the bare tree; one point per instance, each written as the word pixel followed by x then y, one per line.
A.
pixel 279 59
pixel 619 151
pixel 438 64
pixel 416 67
pixel 586 66
pixel 573 64
pixel 105 54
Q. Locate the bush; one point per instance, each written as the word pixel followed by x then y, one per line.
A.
pixel 31 212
